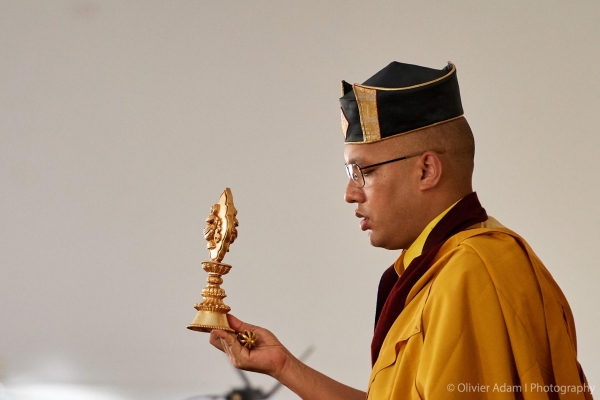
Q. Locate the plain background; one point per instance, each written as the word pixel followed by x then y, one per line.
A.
pixel 121 122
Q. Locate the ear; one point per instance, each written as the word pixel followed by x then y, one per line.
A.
pixel 431 170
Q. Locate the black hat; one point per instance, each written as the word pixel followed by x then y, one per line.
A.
pixel 399 99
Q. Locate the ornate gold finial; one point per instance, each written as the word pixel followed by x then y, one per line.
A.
pixel 220 232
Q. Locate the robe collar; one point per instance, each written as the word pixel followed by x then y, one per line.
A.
pixel 416 249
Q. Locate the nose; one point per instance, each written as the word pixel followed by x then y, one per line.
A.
pixel 353 194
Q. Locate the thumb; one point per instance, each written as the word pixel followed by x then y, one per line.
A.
pixel 239 326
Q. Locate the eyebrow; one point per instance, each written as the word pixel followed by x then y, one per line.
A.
pixel 355 160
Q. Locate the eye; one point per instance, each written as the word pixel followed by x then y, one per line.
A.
pixel 368 172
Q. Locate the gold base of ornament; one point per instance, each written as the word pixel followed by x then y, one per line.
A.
pixel 207 321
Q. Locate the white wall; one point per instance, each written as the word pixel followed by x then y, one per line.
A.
pixel 122 121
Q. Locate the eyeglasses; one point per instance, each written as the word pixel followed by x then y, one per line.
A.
pixel 355 171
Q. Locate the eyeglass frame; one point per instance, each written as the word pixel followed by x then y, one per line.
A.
pixel 360 169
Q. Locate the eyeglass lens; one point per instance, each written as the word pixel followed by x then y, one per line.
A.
pixel 355 174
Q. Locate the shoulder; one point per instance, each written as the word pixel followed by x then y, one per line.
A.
pixel 462 272
pixel 495 261
pixel 489 249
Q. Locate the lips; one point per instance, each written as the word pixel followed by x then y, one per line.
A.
pixel 365 223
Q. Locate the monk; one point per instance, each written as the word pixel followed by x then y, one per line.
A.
pixel 468 311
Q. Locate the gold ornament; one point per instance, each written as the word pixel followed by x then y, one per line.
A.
pixel 220 232
pixel 247 339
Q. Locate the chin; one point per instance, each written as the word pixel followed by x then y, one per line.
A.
pixel 384 244
pixel 377 242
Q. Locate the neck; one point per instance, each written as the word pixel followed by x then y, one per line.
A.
pixel 436 204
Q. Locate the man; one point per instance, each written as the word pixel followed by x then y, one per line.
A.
pixel 468 310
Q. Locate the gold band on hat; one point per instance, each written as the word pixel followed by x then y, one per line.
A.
pixel 367 107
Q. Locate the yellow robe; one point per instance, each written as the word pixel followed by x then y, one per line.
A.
pixel 486 321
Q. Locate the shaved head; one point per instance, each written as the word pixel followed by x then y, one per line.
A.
pixel 455 139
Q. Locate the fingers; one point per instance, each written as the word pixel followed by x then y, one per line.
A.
pixel 217 336
pixel 227 342
pixel 238 325
pixel 214 339
pixel 231 351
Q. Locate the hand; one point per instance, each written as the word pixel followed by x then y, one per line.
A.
pixel 272 358
pixel 268 356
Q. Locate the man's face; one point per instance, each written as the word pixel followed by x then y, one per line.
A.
pixel 387 203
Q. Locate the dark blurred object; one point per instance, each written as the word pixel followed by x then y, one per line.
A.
pixel 248 392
